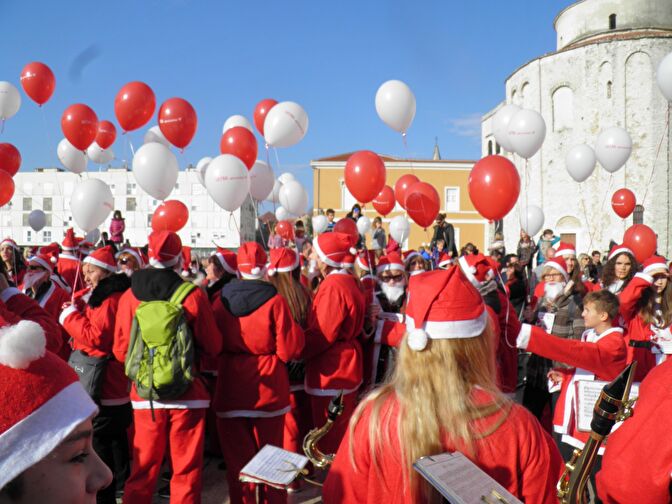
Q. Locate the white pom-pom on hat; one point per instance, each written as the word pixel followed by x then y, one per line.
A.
pixel 53 260
pixel 271 271
pixel 352 250
pixel 256 270
pixel 417 340
pixel 21 344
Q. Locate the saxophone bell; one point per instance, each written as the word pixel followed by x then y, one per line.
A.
pixel 310 447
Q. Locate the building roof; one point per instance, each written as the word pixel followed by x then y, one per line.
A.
pixel 342 158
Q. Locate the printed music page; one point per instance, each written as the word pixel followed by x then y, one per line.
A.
pixel 587 394
pixel 273 466
pixel 461 481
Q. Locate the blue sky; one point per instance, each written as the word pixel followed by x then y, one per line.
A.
pixel 225 56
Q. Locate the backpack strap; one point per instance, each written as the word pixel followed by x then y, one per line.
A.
pixel 181 293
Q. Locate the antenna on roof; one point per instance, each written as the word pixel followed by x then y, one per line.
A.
pixel 437 155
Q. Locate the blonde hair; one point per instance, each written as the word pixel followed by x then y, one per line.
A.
pixel 434 390
pixel 297 296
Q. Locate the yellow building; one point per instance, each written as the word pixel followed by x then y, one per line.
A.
pixel 448 177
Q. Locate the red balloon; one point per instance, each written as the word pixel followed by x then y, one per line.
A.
pixel 106 134
pixel 641 240
pixel 134 105
pixel 10 159
pixel 384 202
pixel 347 226
pixel 178 121
pixel 401 186
pixel 494 186
pixel 38 81
pixel 6 187
pixel 171 215
pixel 623 202
pixel 241 143
pixel 260 112
pixel 422 203
pixel 365 175
pixel 285 229
pixel 80 125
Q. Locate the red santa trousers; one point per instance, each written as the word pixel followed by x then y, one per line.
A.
pixel 319 405
pixel 241 438
pixel 297 422
pixel 183 432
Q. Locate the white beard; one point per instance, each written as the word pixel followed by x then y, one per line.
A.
pixel 392 292
pixel 553 289
pixel 32 278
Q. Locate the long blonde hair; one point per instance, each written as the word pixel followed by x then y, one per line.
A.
pixel 434 390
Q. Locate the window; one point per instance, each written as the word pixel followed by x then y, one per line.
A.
pixel 452 199
pixel 489 147
pixel 28 204
pixel 563 108
pixel 47 219
pixel 347 199
pixel 612 21
pixel 638 215
pixel 130 204
pixel 29 236
pixel 130 188
pixel 149 220
pixel 498 149
pixel 47 204
pixel 46 236
pixel 609 86
pixel 25 219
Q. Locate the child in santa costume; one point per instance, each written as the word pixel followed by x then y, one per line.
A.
pixel 600 354
pixel 178 424
pixel 90 326
pixel 252 396
pixel 69 265
pixel 333 353
pixel 442 397
pixel 646 310
pixel 46 452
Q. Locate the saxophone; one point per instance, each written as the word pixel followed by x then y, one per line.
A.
pixel 310 448
pixel 613 405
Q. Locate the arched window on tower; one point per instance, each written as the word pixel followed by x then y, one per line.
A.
pixel 612 21
pixel 497 148
pixel 609 86
pixel 489 147
pixel 638 215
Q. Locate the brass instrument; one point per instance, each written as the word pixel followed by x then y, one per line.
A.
pixel 310 448
pixel 613 405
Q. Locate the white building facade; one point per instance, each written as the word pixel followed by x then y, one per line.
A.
pixel 50 189
pixel 601 75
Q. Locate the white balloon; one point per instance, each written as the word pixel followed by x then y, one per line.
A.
pixel 285 125
pixel 400 229
pixel 227 181
pixel 92 236
pixel 293 197
pixel 261 180
pixel 281 213
pixel 154 134
pixel 155 170
pixel 10 100
pixel 532 220
pixel 99 155
pixel 363 225
pixel 274 195
pixel 70 157
pixel 201 167
pixel 320 224
pixel 286 177
pixel 91 203
pixel 37 220
pixel 236 120
pixel 580 162
pixel 500 125
pixel 395 104
pixel 664 76
pixel 613 148
pixel 527 131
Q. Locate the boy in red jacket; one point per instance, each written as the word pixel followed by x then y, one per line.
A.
pixel 600 354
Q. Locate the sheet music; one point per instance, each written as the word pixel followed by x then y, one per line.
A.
pixel 274 466
pixel 461 481
pixel 587 394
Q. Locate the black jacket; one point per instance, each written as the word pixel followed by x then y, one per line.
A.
pixel 242 297
pixel 445 232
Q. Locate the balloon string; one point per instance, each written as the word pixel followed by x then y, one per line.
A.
pixel 660 144
pixel 232 218
pixel 585 216
pixel 606 194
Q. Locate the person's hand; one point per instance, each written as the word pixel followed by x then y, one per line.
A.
pixel 555 377
pixel 373 311
pixel 4 284
pixel 66 305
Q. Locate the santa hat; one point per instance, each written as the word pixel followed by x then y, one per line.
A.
pixel 445 261
pixel 409 255
pixel 283 260
pixel 476 268
pixel 103 258
pixel 348 261
pixel 442 304
pixel 85 247
pixel 46 258
pixel 42 399
pixel 139 256
pixel 251 261
pixel 565 249
pixel 186 260
pixel 655 265
pixel 369 282
pixel 8 242
pixel 558 264
pixel 367 260
pixel 165 249
pixel 333 248
pixel 389 262
pixel 70 242
pixel 619 249
pixel 228 260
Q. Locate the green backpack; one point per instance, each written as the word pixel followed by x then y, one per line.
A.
pixel 160 354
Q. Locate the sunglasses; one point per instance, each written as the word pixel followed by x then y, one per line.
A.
pixel 35 268
pixel 391 278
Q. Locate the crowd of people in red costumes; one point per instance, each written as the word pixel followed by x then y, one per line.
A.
pixel 432 352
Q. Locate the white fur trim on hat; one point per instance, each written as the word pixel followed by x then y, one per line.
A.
pixel 619 250
pixel 10 243
pixel 552 264
pixel 224 264
pixel 21 344
pixel 660 267
pixel 100 264
pixel 468 271
pixel 41 262
pixel 565 252
pixel 256 273
pixel 131 252
pixel 164 264
pixel 323 256
pixel 389 267
pixel 410 257
pixel 417 340
pixel 361 264
pixel 451 329
pixel 445 263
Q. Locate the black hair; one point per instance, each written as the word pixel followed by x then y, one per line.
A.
pixel 14 489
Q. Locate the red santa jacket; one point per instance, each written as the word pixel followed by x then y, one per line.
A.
pixel 260 337
pixel 333 354
pixel 638 332
pixel 70 269
pixel 597 356
pixel 15 306
pixel 92 331
pixel 507 352
pixel 637 462
pixel 518 454
pixel 154 284
pixel 51 298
